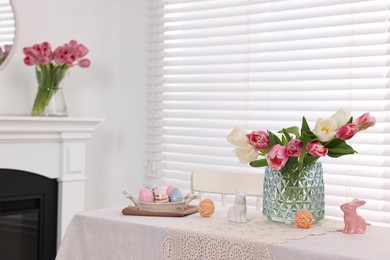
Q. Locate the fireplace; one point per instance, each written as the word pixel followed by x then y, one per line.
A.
pixel 44 150
pixel 28 216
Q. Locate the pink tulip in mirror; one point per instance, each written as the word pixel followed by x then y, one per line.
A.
pixel 4 52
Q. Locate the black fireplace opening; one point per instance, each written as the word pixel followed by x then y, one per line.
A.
pixel 28 216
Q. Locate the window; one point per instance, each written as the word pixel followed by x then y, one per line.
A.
pixel 216 65
pixel 7 23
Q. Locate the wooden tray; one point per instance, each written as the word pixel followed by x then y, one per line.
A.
pixel 131 210
pixel 171 209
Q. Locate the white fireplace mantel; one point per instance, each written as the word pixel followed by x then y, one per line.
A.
pixel 53 147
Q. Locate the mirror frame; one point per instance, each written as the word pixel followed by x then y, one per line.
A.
pixel 6 61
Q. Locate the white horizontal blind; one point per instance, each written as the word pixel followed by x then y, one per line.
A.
pixel 216 65
pixel 7 23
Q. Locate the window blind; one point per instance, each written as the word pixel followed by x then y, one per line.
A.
pixel 216 65
pixel 7 23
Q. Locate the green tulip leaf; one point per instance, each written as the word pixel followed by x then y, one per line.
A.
pixel 291 130
pixel 259 163
pixel 273 139
pixel 342 148
pixel 288 137
pixel 305 126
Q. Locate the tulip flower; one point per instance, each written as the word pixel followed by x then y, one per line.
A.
pixel 277 157
pixel 238 137
pixel 364 121
pixel 325 129
pixel 259 139
pixel 294 148
pixel 347 131
pixel 246 153
pixel 84 63
pixel 342 117
pixel 316 149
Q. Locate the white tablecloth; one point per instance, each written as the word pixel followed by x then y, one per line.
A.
pixel 106 234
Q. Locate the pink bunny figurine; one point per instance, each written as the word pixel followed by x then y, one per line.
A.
pixel 354 224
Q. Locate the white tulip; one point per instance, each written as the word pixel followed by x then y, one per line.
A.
pixel 238 137
pixel 342 117
pixel 246 154
pixel 325 129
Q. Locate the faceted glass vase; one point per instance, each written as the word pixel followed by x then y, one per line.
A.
pixel 293 188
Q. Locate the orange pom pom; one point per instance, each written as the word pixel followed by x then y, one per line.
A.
pixel 206 208
pixel 303 219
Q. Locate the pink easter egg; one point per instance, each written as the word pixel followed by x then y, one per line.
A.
pixel 145 195
pixel 169 189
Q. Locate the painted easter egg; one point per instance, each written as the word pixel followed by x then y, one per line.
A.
pixel 169 189
pixel 145 195
pixel 149 187
pixel 175 195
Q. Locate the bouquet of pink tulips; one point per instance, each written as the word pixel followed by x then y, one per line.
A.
pixel 51 67
pixel 299 146
pixel 68 55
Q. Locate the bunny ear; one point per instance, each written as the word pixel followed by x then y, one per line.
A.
pixel 358 203
pixel 347 204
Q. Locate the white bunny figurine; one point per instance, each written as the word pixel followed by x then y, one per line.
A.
pixel 354 224
pixel 237 212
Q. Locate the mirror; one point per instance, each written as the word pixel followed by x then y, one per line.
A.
pixel 7 29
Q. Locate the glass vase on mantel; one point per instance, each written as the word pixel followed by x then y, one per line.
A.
pixel 293 188
pixel 50 100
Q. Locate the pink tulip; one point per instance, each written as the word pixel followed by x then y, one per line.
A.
pixel 347 131
pixel 59 56
pixel 43 59
pixel 84 63
pixel 71 46
pixel 27 51
pixel 364 121
pixel 81 51
pixel 46 49
pixel 36 48
pixel 294 148
pixel 277 157
pixel 29 60
pixel 259 139
pixel 7 50
pixel 316 149
pixel 70 58
pixel 2 53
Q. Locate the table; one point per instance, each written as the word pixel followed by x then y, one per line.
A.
pixel 106 234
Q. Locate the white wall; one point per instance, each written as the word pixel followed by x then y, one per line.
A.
pixel 112 88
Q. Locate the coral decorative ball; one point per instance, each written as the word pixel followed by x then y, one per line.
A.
pixel 206 208
pixel 303 219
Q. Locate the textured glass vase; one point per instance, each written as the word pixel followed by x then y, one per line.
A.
pixel 293 188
